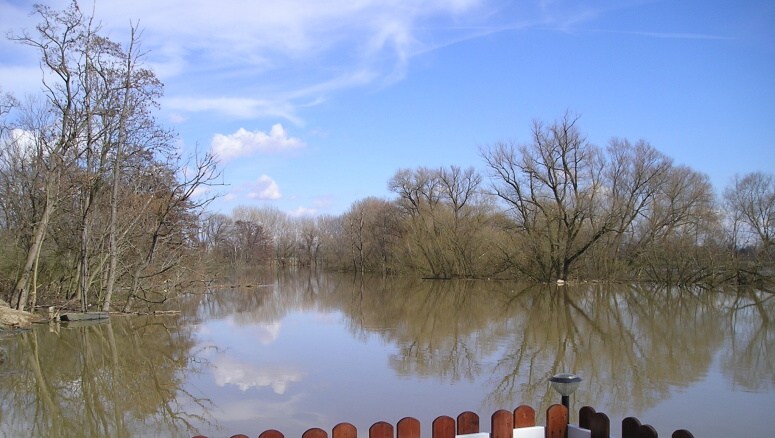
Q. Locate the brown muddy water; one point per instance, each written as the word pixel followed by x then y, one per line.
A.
pixel 303 351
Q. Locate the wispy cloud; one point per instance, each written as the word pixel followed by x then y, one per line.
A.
pixel 668 35
pixel 247 59
pixel 235 107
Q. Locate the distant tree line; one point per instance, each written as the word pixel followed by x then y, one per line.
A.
pixel 556 207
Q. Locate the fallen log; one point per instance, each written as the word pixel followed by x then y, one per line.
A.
pixel 87 316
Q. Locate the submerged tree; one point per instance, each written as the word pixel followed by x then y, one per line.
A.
pixel 554 190
pixel 446 221
pixel 371 226
pixel 568 198
pixel 750 202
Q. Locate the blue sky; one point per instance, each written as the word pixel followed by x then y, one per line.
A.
pixel 312 105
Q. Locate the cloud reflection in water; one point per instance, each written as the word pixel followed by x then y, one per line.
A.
pixel 228 370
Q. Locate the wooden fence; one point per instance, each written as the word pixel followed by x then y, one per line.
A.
pixel 503 424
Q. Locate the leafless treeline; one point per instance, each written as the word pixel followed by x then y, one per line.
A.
pixel 94 200
pixel 557 207
pixel 96 203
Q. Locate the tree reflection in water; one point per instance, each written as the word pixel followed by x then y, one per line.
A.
pixel 635 346
pixel 750 360
pixel 119 378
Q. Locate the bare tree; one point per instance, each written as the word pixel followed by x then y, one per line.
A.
pixel 751 202
pixel 282 229
pixel 554 189
pixel 7 103
pixel 135 92
pixel 750 206
pixel 444 219
pixel 172 222
pixel 675 237
pixel 333 254
pixel 216 231
pixel 371 228
pixel 58 40
pixel 251 243
pixel 99 175
pixel 309 241
pixel 420 198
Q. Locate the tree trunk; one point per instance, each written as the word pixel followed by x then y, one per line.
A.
pixel 83 260
pixel 113 245
pixel 21 290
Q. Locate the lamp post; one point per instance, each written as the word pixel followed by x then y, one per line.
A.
pixel 565 384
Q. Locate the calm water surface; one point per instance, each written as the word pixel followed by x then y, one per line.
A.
pixel 306 351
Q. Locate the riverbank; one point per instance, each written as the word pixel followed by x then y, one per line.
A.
pixel 11 319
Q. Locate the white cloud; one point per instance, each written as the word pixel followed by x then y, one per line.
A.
pixel 265 188
pixel 245 143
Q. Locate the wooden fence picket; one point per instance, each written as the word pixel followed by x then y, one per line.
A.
pixel 632 428
pixel 315 432
pixel 381 429
pixel 597 422
pixel 343 430
pixel 556 421
pixel 647 431
pixel 408 427
pixel 600 425
pixel 443 427
pixel 467 422
pixel 502 424
pixel 524 416
pixel 585 417
pixel 271 433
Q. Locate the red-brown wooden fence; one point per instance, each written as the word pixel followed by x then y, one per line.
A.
pixel 502 424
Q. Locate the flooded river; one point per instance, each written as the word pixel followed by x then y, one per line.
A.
pixel 304 350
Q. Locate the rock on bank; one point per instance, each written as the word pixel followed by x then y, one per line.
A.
pixel 15 319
